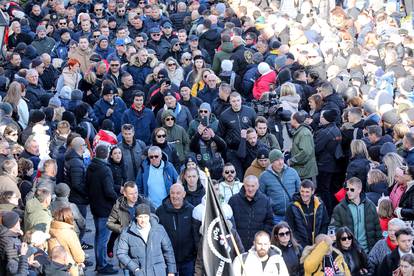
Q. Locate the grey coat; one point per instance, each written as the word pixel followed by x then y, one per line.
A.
pixel 153 258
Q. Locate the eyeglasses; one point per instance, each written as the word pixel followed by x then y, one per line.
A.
pixel 63 23
pixel 178 44
pixel 98 9
pixel 229 171
pixel 350 189
pixel 187 59
pixel 96 36
pixel 171 64
pixel 121 10
pixel 114 65
pixel 349 238
pixel 139 41
pixel 283 234
pixel 155 34
pixel 169 119
pixel 153 156
pixel 203 111
pixel 161 136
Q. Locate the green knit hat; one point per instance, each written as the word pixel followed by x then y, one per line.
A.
pixel 275 155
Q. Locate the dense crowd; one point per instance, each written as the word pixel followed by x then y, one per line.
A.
pixel 302 111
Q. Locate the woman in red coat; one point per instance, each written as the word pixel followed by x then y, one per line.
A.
pixel 265 82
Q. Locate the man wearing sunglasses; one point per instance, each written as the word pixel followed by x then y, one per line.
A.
pixel 359 214
pixel 156 177
pixel 204 117
pixel 307 215
pixel 182 113
pixel 158 44
pixel 230 184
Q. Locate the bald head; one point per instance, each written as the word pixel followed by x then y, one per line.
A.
pixel 177 195
pixel 77 144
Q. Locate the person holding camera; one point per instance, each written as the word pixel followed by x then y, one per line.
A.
pixel 204 117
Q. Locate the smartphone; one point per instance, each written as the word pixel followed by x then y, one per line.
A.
pixel 205 121
pixel 331 231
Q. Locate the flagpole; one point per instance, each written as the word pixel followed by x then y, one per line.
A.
pixel 233 240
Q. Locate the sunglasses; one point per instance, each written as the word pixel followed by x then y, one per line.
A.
pixel 98 9
pixel 161 136
pixel 63 23
pixel 170 119
pixel 228 172
pixel 114 65
pixel 121 10
pixel 350 189
pixel 139 41
pixel 153 156
pixel 187 59
pixel 156 34
pixel 96 36
pixel 171 64
pixel 205 76
pixel 203 111
pixel 141 3
pixel 349 238
pixel 283 234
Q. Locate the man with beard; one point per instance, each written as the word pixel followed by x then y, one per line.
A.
pixel 42 43
pixel 262 257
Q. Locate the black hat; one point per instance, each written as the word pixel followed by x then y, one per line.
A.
pixel 9 219
pixel 95 57
pixel 184 84
pixel 143 209
pixel 262 153
pixel 36 62
pixel 36 116
pixel 108 89
pixel 330 115
pixel 170 93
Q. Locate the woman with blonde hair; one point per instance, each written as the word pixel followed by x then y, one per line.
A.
pixel 175 72
pixel 15 96
pixel 359 164
pixel 391 162
pixel 200 81
pixel 376 185
pixel 289 101
pixel 398 132
pixel 62 232
pixel 323 259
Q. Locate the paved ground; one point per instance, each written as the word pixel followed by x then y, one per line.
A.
pixel 89 238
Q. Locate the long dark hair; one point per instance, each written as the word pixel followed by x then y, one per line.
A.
pixel 275 238
pixel 348 232
pixel 110 154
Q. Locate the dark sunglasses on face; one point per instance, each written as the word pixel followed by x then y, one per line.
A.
pixel 171 64
pixel 156 34
pixel 350 189
pixel 282 234
pixel 114 65
pixel 140 41
pixel 153 156
pixel 203 111
pixel 349 238
pixel 98 9
pixel 169 119
pixel 228 172
pixel 161 136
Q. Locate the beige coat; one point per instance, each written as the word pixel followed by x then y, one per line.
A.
pixel 64 234
pixel 9 183
pixel 83 58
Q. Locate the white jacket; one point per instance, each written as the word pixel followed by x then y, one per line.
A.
pixel 253 265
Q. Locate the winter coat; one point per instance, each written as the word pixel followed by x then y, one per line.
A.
pixel 239 59
pixel 11 263
pixel 132 158
pixel 376 190
pixel 376 255
pixel 60 50
pixel 119 175
pixel 359 167
pixel 356 259
pixel 210 40
pixel 35 94
pixel 44 45
pixel 177 223
pixel 63 234
pixel 138 72
pixel 327 139
pixel 143 122
pixel 253 265
pixel 104 53
pixel 208 94
pixel 334 102
pixel 407 202
pixel 295 216
pixel 169 173
pixel 194 197
pixel 60 202
pixel 224 53
pixel 390 262
pixel 160 47
pixel 36 217
pixel 219 106
pixel 303 152
pixel 193 128
pixel 231 123
pixel 251 216
pixel 75 177
pixel 272 185
pixel 193 104
pixel 291 256
pixel 409 158
pixel 102 106
pixel 153 258
pixel 254 169
pixel 182 115
pixel 313 260
pixel 55 269
pixel 9 183
pixel 263 84
pixel 100 184
pixel 83 57
pixel 342 216
pixel 120 217
pixel 177 136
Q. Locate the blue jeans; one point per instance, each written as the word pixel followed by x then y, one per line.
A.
pixel 101 239
pixel 185 268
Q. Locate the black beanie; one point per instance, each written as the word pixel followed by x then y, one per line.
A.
pixel 329 115
pixel 36 116
pixel 184 84
pixel 9 219
pixel 143 209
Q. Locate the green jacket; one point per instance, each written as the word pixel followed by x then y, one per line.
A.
pixel 303 158
pixel 177 136
pixel 342 216
pixel 193 128
pixel 225 53
pixel 36 216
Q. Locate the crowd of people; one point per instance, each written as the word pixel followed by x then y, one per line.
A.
pixel 301 110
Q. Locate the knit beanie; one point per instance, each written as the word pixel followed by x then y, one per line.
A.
pixel 391 117
pixel 262 153
pixel 143 209
pixel 226 65
pixel 263 68
pixel 206 106
pixel 62 190
pixel 329 115
pixel 9 219
pixel 274 155
pixel 36 116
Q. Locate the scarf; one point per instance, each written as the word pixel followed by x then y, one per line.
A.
pixel 176 110
pixel 390 244
pixel 139 112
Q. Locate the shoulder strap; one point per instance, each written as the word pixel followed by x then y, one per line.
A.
pixel 244 258
pixel 355 134
pixel 283 186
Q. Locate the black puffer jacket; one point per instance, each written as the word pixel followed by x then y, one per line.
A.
pixel 327 138
pixel 291 256
pixel 119 175
pixel 10 262
pixel 210 41
pixel 251 216
pixel 335 102
pixel 75 177
pixel 100 188
pixel 407 202
pixel 303 231
pixel 177 223
pixel 359 167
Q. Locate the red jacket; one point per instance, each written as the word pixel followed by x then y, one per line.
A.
pixel 262 84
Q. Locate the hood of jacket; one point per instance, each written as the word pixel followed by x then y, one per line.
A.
pixel 210 35
pixel 167 113
pixel 227 47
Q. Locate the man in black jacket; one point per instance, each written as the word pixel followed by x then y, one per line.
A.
pixel 175 215
pixel 102 197
pixel 332 101
pixel 405 246
pixel 254 211
pixel 307 215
